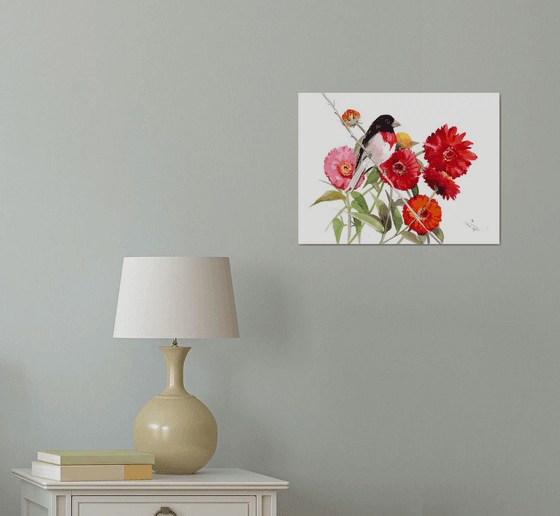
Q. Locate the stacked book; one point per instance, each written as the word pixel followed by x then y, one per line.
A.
pixel 86 465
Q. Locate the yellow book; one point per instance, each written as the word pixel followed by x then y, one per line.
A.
pixel 73 457
pixel 87 472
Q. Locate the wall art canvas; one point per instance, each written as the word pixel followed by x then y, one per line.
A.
pixel 399 168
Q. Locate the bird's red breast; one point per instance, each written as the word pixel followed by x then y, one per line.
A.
pixel 390 138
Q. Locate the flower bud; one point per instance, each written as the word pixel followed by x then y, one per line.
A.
pixel 351 117
pixel 404 141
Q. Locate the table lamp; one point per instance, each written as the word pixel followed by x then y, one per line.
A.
pixel 174 298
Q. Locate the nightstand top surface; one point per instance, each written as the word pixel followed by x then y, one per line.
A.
pixel 205 479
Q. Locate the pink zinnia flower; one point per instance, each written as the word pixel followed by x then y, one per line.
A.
pixel 339 167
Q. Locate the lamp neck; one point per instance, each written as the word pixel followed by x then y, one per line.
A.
pixel 175 358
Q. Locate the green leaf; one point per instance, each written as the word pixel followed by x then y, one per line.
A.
pixel 337 225
pixel 388 197
pixel 357 207
pixel 360 200
pixel 384 215
pixel 330 195
pixel 422 167
pixel 415 191
pixel 399 202
pixel 411 237
pixel 423 238
pixel 373 177
pixel 397 218
pixel 412 144
pixel 357 223
pixel 439 233
pixel 370 220
pixel 359 227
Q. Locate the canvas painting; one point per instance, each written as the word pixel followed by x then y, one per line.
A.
pixel 398 168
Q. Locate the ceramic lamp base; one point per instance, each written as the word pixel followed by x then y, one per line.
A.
pixel 175 426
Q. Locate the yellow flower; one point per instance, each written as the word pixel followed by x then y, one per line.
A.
pixel 404 141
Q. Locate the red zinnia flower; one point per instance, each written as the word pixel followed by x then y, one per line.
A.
pixel 351 117
pixel 430 214
pixel 339 167
pixel 441 182
pixel 446 150
pixel 401 169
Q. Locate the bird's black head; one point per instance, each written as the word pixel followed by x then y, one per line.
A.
pixel 385 124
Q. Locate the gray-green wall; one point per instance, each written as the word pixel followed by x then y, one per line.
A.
pixel 397 381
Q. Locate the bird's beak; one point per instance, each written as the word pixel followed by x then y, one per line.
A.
pixel 395 124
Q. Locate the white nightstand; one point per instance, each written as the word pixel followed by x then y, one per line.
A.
pixel 209 492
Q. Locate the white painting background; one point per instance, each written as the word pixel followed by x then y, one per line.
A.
pixel 420 114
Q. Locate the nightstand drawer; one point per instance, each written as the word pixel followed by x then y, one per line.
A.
pixel 150 505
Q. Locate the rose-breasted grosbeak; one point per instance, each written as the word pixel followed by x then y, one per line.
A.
pixel 381 140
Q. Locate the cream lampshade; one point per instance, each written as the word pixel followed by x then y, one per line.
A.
pixel 174 298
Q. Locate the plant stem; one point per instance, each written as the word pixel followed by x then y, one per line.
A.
pixel 376 199
pixel 368 191
pixel 349 217
pixel 358 234
pixel 388 214
pixel 336 216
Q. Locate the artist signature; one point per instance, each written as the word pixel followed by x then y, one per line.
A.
pixel 472 225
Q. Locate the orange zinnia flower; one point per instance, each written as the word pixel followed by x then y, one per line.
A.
pixel 430 214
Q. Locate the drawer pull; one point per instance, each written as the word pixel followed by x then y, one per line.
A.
pixel 165 510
